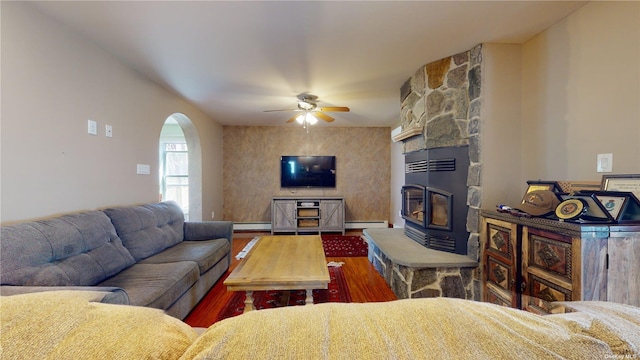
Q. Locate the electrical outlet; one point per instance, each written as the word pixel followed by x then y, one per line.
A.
pixel 213 215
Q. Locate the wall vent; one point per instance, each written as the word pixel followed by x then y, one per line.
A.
pixel 430 166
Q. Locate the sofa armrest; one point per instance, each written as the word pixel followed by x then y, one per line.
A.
pixel 207 230
pixel 103 294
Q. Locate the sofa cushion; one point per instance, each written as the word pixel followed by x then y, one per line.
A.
pixel 148 229
pixel 205 253
pixel 77 249
pixel 156 285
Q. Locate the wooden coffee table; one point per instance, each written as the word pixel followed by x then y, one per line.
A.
pixel 283 262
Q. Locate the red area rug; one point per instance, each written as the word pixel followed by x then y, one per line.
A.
pixel 338 291
pixel 344 245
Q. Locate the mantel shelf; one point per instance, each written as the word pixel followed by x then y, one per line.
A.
pixel 408 133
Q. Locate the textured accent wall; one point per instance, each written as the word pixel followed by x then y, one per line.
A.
pixel 251 168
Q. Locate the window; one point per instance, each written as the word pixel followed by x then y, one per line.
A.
pixel 175 176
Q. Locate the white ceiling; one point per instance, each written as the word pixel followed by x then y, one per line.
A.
pixel 234 59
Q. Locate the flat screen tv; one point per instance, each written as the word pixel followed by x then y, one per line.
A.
pixel 308 171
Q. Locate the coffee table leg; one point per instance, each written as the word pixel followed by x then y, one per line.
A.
pixel 248 302
pixel 309 299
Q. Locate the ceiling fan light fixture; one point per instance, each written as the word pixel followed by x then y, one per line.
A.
pixel 306 118
pixel 310 119
pixel 308 112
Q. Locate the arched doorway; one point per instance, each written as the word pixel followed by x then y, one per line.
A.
pixel 181 165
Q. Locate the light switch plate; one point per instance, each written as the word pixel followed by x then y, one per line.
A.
pixel 605 163
pixel 108 131
pixel 143 169
pixel 92 127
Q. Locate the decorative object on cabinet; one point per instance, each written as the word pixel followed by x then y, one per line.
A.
pixel 622 182
pixel 534 185
pixel 529 263
pixel 593 209
pixel 573 187
pixel 623 207
pixel 539 202
pixel 540 198
pixel 571 209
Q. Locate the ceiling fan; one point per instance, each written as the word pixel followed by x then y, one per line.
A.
pixel 308 111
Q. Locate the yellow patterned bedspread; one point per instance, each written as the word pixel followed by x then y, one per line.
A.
pixel 67 325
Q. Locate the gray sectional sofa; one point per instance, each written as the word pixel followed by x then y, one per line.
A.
pixel 144 255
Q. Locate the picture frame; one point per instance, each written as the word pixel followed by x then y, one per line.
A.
pixel 622 183
pixel 534 185
pixel 595 211
pixel 613 201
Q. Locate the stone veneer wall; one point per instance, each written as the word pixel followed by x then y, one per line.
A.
pixel 443 98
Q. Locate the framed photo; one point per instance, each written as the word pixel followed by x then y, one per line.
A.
pixel 594 212
pixel 543 185
pixel 614 202
pixel 627 182
pixel 534 185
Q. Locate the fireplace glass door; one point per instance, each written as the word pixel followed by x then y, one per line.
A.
pixel 413 204
pixel 439 209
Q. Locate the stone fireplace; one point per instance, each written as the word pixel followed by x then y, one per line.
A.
pixel 441 110
pixel 440 113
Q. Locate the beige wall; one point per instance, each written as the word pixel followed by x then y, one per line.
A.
pixel 555 102
pixel 501 124
pixel 252 168
pixel 53 81
pixel 581 94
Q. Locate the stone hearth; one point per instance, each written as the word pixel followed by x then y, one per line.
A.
pixel 413 271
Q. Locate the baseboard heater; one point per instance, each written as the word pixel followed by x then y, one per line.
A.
pixel 266 226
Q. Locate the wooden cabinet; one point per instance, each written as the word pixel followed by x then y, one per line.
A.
pixel 501 269
pixel 529 263
pixel 306 214
pixel 332 215
pixel 283 215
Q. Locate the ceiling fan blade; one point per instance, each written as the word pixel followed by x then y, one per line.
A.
pixel 323 116
pixel 293 118
pixel 281 110
pixel 335 108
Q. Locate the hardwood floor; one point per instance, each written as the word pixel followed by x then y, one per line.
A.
pixel 365 284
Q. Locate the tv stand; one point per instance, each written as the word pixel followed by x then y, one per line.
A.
pixel 307 214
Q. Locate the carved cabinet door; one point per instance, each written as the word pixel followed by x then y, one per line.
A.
pixel 500 252
pixel 550 269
